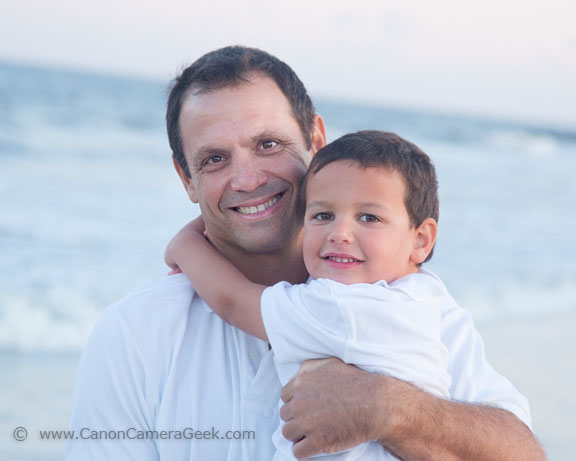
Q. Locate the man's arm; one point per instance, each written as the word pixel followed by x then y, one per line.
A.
pixel 218 282
pixel 330 406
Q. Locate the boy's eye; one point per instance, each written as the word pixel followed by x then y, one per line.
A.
pixel 268 144
pixel 369 218
pixel 322 216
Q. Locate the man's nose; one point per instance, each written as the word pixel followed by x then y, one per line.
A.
pixel 247 175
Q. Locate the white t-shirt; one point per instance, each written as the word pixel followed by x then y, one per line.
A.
pixel 161 360
pixel 385 328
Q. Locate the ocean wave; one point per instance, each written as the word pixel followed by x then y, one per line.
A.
pixel 29 325
pixel 93 198
pixel 500 136
pixel 525 141
pixel 519 301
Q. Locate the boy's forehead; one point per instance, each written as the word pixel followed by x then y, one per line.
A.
pixel 356 168
pixel 353 172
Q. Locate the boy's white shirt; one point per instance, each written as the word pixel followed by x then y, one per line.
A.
pixel 392 329
pixel 160 359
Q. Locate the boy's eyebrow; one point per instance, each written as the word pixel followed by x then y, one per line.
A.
pixel 324 204
pixel 318 203
pixel 374 205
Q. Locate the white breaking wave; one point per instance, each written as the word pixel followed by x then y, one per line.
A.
pixel 90 199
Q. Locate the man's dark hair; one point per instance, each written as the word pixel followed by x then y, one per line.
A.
pixel 232 66
pixel 387 150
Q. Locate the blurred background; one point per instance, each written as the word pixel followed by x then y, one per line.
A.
pixel 88 198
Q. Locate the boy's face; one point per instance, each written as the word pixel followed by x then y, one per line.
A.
pixel 356 227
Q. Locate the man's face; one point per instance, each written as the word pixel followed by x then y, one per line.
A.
pixel 246 155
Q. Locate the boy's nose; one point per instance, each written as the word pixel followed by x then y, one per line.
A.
pixel 341 233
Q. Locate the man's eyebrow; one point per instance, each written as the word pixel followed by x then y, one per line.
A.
pixel 203 151
pixel 206 151
pixel 268 134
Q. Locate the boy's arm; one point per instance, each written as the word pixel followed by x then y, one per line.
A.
pixel 218 282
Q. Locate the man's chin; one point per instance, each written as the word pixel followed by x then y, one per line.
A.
pixel 261 241
pixel 262 246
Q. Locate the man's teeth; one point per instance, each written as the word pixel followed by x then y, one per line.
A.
pixel 259 208
pixel 342 260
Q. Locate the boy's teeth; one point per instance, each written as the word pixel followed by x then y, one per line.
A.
pixel 342 260
pixel 259 208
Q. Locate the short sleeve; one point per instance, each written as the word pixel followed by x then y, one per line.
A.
pixel 371 326
pixel 303 322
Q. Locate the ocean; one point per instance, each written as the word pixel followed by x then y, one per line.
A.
pixel 89 200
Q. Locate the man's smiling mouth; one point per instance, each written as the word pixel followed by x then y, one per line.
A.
pixel 248 210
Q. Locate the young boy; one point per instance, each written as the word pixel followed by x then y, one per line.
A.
pixel 370 222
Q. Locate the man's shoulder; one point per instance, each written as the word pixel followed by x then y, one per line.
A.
pixel 151 319
pixel 174 286
pixel 168 296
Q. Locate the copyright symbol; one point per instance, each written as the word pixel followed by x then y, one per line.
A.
pixel 20 434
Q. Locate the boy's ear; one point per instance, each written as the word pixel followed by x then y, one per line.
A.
pixel 318 137
pixel 424 240
pixel 186 181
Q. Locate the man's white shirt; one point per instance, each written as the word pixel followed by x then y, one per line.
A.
pixel 163 377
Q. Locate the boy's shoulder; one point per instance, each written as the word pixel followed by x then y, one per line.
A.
pixel 421 286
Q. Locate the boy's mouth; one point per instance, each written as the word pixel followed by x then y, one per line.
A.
pixel 342 260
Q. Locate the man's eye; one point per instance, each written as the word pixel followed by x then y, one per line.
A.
pixel 212 160
pixel 322 216
pixel 268 144
pixel 369 218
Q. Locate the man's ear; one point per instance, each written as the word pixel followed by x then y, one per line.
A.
pixel 318 137
pixel 186 181
pixel 424 240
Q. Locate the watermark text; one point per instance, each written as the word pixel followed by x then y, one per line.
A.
pixel 20 434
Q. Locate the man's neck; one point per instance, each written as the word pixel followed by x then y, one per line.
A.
pixel 273 267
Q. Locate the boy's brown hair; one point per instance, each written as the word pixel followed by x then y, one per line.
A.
pixel 381 149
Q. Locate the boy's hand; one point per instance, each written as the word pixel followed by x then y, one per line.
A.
pixel 196 225
pixel 191 230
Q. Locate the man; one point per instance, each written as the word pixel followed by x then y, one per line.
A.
pixel 242 130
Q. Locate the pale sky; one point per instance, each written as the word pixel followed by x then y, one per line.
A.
pixel 513 59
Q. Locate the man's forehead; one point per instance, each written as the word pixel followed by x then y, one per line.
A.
pixel 260 95
pixel 251 80
pixel 246 110
pixel 223 124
